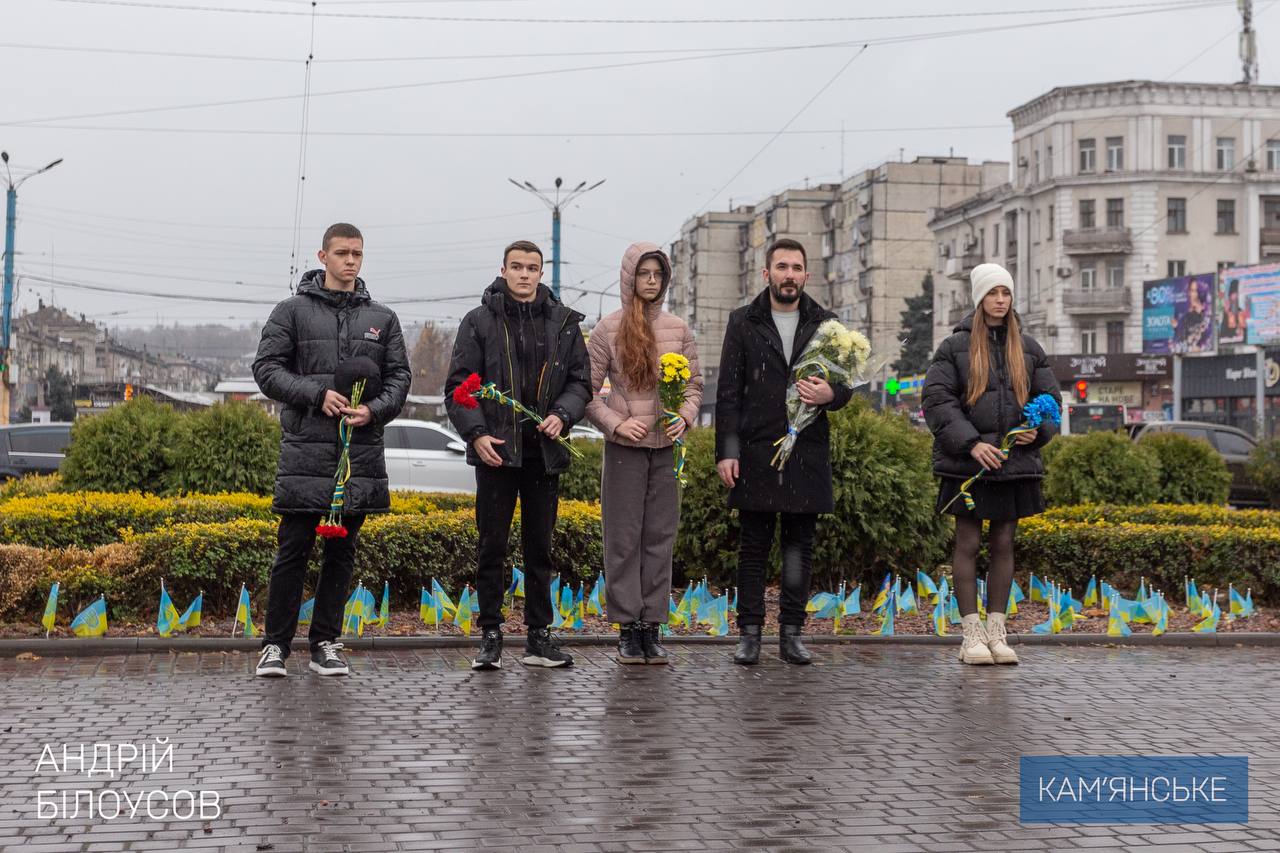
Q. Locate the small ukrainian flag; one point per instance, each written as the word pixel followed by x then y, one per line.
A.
pixel 92 621
pixel 462 617
pixel 167 619
pixel 307 611
pixel 191 616
pixel 243 616
pixel 50 609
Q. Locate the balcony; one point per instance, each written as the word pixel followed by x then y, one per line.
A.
pixel 959 268
pixel 1269 240
pixel 956 314
pixel 1106 300
pixel 1097 241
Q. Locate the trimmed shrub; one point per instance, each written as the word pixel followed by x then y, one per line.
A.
pixel 582 481
pixel 1101 467
pixel 1170 514
pixel 127 448
pixel 1264 468
pixel 1191 471
pixel 30 486
pixel 1121 554
pixel 229 447
pixel 90 519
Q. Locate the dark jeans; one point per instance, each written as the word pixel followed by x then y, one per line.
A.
pixel 754 543
pixel 294 538
pixel 496 493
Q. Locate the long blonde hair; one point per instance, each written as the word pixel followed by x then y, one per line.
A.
pixel 980 358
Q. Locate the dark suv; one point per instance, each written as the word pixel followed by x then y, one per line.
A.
pixel 1232 444
pixel 32 448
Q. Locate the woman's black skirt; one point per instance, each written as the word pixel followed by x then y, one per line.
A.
pixel 993 500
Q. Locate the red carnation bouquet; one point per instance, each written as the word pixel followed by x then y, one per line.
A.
pixel 473 389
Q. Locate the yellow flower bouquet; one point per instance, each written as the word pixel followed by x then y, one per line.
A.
pixel 673 379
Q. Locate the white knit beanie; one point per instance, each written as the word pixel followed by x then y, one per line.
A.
pixel 986 276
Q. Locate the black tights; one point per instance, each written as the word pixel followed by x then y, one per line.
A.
pixel 964 562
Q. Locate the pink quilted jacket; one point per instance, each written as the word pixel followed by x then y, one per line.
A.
pixel 671 334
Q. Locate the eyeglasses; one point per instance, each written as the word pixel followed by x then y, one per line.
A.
pixel 649 275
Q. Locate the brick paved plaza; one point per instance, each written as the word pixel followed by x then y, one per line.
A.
pixel 886 748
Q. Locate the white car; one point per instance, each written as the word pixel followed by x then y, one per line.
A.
pixel 426 457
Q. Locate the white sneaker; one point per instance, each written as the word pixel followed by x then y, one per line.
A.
pixel 271 664
pixel 974 648
pixel 1000 649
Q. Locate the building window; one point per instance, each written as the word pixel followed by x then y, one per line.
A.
pixel 1225 265
pixel 995 239
pixel 1088 339
pixel 1088 278
pixel 1115 336
pixel 1048 162
pixel 1273 155
pixel 1088 217
pixel 1115 213
pixel 1036 158
pixel 1088 156
pixel 1176 218
pixel 1177 152
pixel 1175 269
pixel 1115 153
pixel 1050 236
pixel 1115 274
pixel 1226 154
pixel 1226 216
pixel 1036 291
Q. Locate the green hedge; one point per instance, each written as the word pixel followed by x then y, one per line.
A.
pixel 1191 471
pixel 216 557
pixel 1121 554
pixel 1101 467
pixel 1170 514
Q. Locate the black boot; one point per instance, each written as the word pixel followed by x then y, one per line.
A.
pixel 790 648
pixel 748 651
pixel 651 641
pixel 630 644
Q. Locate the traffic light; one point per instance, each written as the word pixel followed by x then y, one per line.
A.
pixel 1082 391
pixel 128 392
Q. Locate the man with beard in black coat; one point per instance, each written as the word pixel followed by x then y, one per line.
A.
pixel 330 320
pixel 526 342
pixel 762 343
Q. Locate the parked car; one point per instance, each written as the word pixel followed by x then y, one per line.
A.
pixel 585 431
pixel 32 448
pixel 1232 444
pixel 426 457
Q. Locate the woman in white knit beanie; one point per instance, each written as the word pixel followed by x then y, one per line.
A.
pixel 979 381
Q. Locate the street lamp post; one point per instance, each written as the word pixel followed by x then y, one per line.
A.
pixel 555 204
pixel 10 223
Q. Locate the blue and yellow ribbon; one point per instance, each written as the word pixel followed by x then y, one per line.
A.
pixel 1005 446
pixel 678 447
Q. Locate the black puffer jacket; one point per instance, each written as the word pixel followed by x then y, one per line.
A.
pixel 302 343
pixel 957 428
pixel 751 413
pixel 488 344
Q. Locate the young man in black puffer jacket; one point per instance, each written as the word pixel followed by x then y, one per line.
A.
pixel 530 345
pixel 329 321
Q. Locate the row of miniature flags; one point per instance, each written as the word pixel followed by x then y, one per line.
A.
pixel 698 606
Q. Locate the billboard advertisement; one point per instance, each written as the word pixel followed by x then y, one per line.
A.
pixel 1249 305
pixel 1178 316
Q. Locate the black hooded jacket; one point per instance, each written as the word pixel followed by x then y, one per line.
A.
pixel 957 427
pixel 302 343
pixel 534 351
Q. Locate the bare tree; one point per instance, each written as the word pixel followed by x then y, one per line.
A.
pixel 429 359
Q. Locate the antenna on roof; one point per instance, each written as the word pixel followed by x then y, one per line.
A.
pixel 1248 43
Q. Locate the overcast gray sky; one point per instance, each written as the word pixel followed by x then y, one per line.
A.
pixel 405 143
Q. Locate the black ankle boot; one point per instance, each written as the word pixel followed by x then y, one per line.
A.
pixel 790 648
pixel 650 640
pixel 748 651
pixel 630 644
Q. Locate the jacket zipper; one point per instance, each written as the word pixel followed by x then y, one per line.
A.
pixel 511 374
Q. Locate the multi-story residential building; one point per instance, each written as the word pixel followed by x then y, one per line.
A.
pixel 1115 184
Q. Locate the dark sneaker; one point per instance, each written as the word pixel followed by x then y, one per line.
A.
pixel 271 664
pixel 326 660
pixel 490 656
pixel 542 648
pixel 630 647
pixel 651 641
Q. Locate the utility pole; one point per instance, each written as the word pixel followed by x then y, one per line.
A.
pixel 10 222
pixel 1248 43
pixel 555 206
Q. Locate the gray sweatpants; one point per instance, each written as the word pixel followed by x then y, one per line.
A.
pixel 640 508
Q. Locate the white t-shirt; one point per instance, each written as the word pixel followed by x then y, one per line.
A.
pixel 787 323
